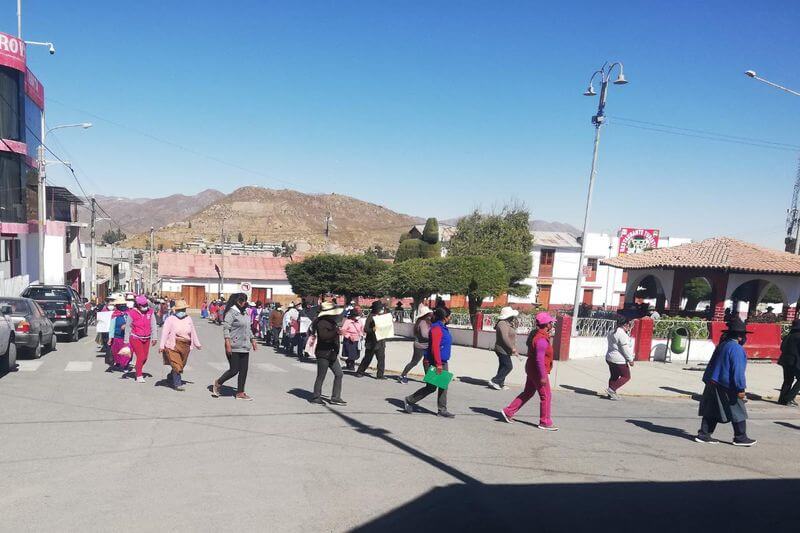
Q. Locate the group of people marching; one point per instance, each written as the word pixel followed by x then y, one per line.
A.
pixel 329 332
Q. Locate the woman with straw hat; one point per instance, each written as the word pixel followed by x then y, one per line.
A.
pixel 120 351
pixel 326 330
pixel 178 337
pixel 422 328
pixel 505 346
pixel 537 368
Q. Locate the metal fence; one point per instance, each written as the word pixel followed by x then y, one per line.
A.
pixel 595 327
pixel 699 329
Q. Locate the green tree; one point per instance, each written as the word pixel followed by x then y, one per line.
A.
pixel 505 236
pixel 476 277
pixel 772 295
pixel 428 246
pixel 348 275
pixel 113 236
pixel 415 278
pixel 284 250
pixel 378 252
pixel 695 291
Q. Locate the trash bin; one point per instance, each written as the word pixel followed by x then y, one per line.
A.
pixel 680 340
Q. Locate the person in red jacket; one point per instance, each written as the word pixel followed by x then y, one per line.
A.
pixel 537 368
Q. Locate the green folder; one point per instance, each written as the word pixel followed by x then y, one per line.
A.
pixel 439 380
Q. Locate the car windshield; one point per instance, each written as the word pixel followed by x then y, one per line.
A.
pixel 18 307
pixel 47 293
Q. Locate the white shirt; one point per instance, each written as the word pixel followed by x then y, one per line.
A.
pixel 620 347
pixel 290 315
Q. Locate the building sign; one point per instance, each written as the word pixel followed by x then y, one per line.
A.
pixel 245 287
pixel 635 240
pixel 12 52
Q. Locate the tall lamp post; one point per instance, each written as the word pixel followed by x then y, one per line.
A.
pixel 604 74
pixel 41 188
pixel 752 74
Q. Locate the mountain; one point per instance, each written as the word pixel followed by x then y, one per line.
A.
pixel 136 215
pixel 273 216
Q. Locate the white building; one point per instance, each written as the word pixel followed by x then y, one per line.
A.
pixel 555 270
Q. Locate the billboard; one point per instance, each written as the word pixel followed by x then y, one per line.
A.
pixel 12 52
pixel 635 240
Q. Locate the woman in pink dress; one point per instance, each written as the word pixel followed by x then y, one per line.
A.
pixel 178 337
pixel 120 351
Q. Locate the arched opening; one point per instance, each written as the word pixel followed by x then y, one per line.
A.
pixel 696 296
pixel 759 300
pixel 649 293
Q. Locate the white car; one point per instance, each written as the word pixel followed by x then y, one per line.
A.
pixel 8 350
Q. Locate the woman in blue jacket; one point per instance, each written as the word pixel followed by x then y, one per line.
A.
pixel 438 354
pixel 724 393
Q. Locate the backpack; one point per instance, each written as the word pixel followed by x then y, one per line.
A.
pixel 327 337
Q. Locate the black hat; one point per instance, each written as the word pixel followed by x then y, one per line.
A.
pixel 737 325
pixel 796 324
pixel 377 306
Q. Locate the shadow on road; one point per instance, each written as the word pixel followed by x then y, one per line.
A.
pixel 498 416
pixel 664 430
pixel 788 425
pixel 581 390
pixel 736 505
pixel 473 381
pixel 401 406
pixel 301 393
pixel 696 397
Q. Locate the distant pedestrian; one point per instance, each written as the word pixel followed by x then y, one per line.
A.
pixel 422 328
pixel 505 345
pixel 275 326
pixel 120 350
pixel 290 327
pixel 326 351
pixel 141 333
pixel 619 356
pixel 212 310
pixel 204 310
pixel 537 369
pixel 373 347
pixel 178 337
pixel 790 362
pixel 725 384
pixel 238 343
pixel 398 311
pixel 303 325
pixel 437 354
pixel 351 330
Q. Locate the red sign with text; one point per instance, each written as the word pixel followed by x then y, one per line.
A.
pixel 635 240
pixel 12 52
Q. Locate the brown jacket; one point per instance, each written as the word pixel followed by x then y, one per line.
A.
pixel 505 338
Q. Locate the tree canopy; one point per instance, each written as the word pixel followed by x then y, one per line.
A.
pixel 349 275
pixel 112 236
pixel 476 277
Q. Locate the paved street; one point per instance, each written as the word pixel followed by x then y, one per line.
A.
pixel 87 450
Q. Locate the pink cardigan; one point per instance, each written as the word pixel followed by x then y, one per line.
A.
pixel 178 327
pixel 352 329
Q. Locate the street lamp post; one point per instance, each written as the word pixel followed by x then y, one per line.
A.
pixel 41 187
pixel 605 76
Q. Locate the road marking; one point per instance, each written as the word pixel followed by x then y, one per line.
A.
pixel 78 366
pixel 307 367
pixel 26 365
pixel 269 367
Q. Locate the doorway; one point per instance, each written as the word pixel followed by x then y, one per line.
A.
pixel 194 295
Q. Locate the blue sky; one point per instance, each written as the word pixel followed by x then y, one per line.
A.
pixel 431 108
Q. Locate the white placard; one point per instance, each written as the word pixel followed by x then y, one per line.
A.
pixel 384 326
pixel 103 321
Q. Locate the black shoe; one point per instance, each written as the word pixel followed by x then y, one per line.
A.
pixel 705 439
pixel 445 414
pixel 359 374
pixel 317 401
pixel 381 377
pixel 791 403
pixel 338 401
pixel 744 441
pixel 408 406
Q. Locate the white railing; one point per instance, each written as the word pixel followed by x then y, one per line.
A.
pixel 595 327
pixel 14 286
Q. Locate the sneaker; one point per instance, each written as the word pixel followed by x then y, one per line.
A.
pixel 705 439
pixel 445 414
pixel 243 396
pixel 215 389
pixel 612 394
pixel 744 441
pixel 493 385
pixel 408 406
pixel 359 374
pixel 792 403
pixel 140 379
pixel 317 401
pixel 180 388
pixel 506 417
pixel 402 379
pixel 338 401
pixel 506 387
pixel 551 427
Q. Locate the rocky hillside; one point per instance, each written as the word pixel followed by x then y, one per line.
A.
pixel 270 215
pixel 137 215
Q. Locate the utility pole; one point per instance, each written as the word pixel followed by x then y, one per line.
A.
pixel 328 220
pixel 19 19
pixel 93 259
pixel 42 203
pixel 150 287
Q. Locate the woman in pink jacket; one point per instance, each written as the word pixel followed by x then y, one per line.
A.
pixel 537 368
pixel 178 337
pixel 351 331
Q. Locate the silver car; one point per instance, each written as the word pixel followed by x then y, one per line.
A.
pixel 33 331
pixel 8 350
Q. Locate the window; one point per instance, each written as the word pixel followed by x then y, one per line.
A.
pixel 591 269
pixel 546 259
pixel 18 307
pixel 48 293
pixel 10 118
pixel 588 296
pixel 33 120
pixel 11 188
pixel 10 257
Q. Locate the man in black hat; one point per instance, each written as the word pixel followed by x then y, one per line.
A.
pixel 373 346
pixel 724 393
pixel 790 361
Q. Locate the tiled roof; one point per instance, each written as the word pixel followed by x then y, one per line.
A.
pixel 244 267
pixel 555 239
pixel 718 253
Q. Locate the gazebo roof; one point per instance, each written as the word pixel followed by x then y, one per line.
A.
pixel 718 253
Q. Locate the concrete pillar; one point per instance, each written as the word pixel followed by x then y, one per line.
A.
pixel 562 338
pixel 677 291
pixel 643 333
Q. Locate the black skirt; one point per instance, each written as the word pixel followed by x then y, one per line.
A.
pixel 721 405
pixel 350 349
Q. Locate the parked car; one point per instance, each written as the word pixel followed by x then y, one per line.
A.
pixel 8 350
pixel 33 331
pixel 63 306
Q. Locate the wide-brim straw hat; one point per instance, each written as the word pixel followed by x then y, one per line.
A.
pixel 507 312
pixel 119 300
pixel 180 304
pixel 328 309
pixel 423 310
